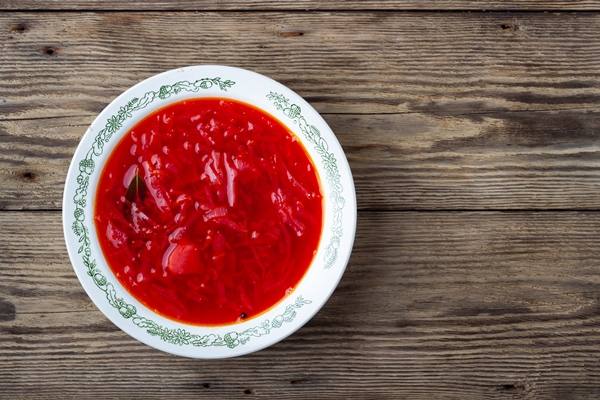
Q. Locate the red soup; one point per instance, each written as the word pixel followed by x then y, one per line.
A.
pixel 209 211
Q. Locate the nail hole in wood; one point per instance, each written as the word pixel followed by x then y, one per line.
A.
pixel 49 50
pixel 248 391
pixel 512 387
pixel 300 381
pixel 22 27
pixel 510 27
pixel 28 176
pixel 206 386
pixel 290 34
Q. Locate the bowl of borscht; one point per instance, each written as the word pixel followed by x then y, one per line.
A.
pixel 209 211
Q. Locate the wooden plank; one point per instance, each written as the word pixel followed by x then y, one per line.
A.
pixel 504 160
pixel 34 158
pixel 250 5
pixel 58 64
pixel 432 305
pixel 482 111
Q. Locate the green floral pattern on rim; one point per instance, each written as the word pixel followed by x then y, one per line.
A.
pixel 177 336
pixel 312 134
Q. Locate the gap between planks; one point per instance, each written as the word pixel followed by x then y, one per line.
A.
pixel 393 210
pixel 305 11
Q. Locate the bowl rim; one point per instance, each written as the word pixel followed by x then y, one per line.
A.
pixel 114 300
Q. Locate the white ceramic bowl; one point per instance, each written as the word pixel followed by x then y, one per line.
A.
pixel 116 302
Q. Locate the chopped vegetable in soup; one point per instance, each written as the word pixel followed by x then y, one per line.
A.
pixel 209 211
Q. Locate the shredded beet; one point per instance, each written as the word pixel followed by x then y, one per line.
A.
pixel 208 211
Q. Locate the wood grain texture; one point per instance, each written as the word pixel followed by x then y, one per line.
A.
pixel 435 111
pixel 59 64
pixel 527 160
pixel 438 112
pixel 250 5
pixel 432 305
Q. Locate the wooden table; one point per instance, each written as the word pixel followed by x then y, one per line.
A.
pixel 473 132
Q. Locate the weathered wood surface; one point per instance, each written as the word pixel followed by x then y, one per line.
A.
pixel 435 111
pixel 541 160
pixel 433 305
pixel 252 5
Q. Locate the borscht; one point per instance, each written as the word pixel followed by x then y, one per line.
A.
pixel 209 211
